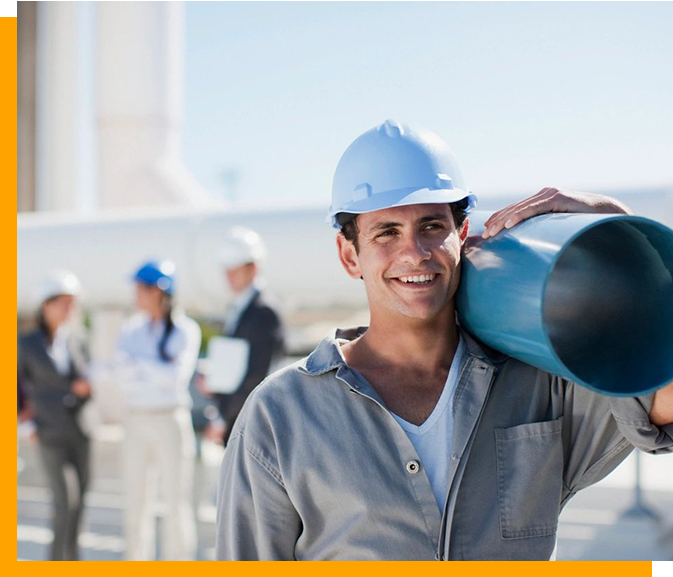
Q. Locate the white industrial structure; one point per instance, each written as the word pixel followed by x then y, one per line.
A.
pixel 111 191
pixel 102 250
pixel 107 85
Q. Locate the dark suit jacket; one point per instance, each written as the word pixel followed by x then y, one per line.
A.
pixel 262 327
pixel 54 405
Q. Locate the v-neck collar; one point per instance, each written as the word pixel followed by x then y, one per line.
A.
pixel 444 401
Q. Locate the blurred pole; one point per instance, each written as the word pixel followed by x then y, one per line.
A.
pixel 639 510
pixel 139 91
pixel 26 77
pixel 57 138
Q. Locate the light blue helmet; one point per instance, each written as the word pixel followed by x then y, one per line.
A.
pixel 157 273
pixel 396 165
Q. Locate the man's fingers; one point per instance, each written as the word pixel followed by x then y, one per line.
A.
pixel 528 212
pixel 544 193
pixel 518 213
pixel 497 219
pixel 496 222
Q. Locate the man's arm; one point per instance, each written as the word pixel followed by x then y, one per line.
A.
pixel 661 412
pixel 552 200
pixel 255 517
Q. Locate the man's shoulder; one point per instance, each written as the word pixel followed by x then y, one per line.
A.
pixel 263 305
pixel 288 393
pixel 501 361
pixel 292 378
pixel 516 378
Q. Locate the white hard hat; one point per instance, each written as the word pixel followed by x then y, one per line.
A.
pixel 242 246
pixel 56 283
pixel 396 165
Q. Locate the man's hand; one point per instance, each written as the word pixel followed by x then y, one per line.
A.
pixel 202 386
pixel 81 388
pixel 215 432
pixel 661 412
pixel 552 200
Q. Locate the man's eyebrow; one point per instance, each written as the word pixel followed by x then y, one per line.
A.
pixel 439 216
pixel 385 225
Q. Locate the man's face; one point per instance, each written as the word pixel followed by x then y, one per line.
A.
pixel 241 276
pixel 408 258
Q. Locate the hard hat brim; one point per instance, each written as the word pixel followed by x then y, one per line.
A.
pixel 402 197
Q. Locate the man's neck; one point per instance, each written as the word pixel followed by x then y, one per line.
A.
pixel 403 356
pixel 407 342
pixel 245 293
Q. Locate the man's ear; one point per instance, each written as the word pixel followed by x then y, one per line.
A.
pixel 348 256
pixel 464 231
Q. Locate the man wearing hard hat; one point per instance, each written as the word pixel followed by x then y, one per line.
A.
pixel 251 318
pixel 409 439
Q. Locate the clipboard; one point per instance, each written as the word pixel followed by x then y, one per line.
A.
pixel 226 364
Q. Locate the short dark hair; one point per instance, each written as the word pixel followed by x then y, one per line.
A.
pixel 349 224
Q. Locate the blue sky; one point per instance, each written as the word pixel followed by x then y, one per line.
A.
pixel 568 94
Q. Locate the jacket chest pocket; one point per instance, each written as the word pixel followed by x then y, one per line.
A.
pixel 530 478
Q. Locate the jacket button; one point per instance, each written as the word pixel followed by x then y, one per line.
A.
pixel 413 467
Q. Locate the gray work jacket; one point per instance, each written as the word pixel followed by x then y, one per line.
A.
pixel 317 468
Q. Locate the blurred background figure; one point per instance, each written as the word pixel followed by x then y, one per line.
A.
pixel 251 318
pixel 52 367
pixel 24 409
pixel 154 363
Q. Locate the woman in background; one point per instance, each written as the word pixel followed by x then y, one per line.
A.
pixel 52 366
pixel 156 358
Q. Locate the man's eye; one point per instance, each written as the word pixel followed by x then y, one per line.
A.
pixel 432 226
pixel 387 233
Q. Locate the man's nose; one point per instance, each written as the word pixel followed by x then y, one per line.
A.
pixel 415 249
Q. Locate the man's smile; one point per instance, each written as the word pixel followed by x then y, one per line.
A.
pixel 416 281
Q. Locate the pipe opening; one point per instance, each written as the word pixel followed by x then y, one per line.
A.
pixel 610 287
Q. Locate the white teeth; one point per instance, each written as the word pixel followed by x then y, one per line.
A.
pixel 423 278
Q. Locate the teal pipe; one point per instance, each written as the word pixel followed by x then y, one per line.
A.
pixel 587 297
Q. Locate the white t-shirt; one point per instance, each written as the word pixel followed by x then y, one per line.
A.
pixel 238 306
pixel 432 440
pixel 58 351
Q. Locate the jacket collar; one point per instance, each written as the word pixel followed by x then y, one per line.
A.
pixel 327 355
pixel 478 349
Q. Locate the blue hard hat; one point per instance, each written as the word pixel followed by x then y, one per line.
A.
pixel 157 273
pixel 396 165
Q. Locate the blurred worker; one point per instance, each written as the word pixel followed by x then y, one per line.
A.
pixel 52 366
pixel 251 317
pixel 155 361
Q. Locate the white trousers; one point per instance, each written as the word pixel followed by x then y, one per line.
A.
pixel 166 439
